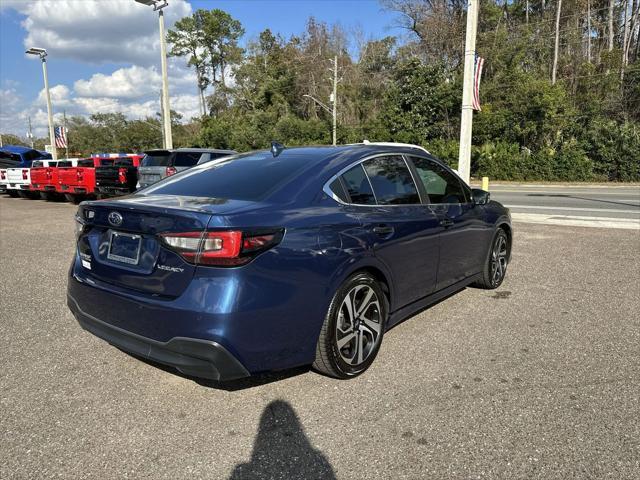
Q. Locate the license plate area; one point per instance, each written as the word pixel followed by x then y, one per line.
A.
pixel 124 247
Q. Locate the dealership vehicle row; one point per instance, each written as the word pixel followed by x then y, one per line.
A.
pixel 29 173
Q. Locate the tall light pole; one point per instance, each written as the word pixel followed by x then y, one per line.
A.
pixel 466 120
pixel 158 5
pixel 42 53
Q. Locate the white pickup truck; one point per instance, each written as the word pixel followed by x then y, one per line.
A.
pixel 18 182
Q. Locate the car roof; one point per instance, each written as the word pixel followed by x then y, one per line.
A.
pixel 194 150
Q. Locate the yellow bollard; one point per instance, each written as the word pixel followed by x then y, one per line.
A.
pixel 485 184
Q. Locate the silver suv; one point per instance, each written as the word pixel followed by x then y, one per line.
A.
pixel 158 164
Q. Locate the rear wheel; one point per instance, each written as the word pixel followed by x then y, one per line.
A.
pixel 12 193
pixel 23 193
pixel 353 328
pixel 496 265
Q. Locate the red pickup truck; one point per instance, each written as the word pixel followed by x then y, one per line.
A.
pixel 79 182
pixel 44 178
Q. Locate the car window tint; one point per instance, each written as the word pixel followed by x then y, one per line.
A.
pixel 358 186
pixel 85 163
pixel 186 159
pixel 338 191
pixel 391 181
pixel 441 185
pixel 251 176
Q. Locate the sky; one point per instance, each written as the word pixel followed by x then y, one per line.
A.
pixel 104 55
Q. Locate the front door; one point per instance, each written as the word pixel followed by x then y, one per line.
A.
pixel 462 245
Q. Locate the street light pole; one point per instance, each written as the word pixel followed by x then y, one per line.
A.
pixel 159 5
pixel 42 53
pixel 334 97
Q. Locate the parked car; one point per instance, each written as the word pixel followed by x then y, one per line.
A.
pixel 265 261
pixel 158 164
pixel 78 182
pixel 17 156
pixel 119 178
pixel 44 177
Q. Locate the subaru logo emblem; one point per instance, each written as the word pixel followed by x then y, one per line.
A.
pixel 115 219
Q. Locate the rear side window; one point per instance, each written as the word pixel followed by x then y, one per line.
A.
pixel 339 191
pixel 391 181
pixel 186 159
pixel 252 177
pixel 441 185
pixel 358 186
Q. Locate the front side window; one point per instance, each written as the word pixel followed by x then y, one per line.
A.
pixel 391 181
pixel 441 185
pixel 358 186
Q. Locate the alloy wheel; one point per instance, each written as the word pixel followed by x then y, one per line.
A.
pixel 359 324
pixel 499 260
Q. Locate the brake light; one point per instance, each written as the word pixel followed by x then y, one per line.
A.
pixel 3 176
pixel 24 174
pixel 79 174
pixel 220 248
pixel 122 175
pixel 48 173
pixel 171 171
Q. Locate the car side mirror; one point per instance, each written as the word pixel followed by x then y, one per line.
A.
pixel 480 197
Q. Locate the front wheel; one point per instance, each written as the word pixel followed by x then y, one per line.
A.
pixel 495 267
pixel 353 328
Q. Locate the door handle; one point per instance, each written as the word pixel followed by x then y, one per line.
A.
pixel 383 230
pixel 446 222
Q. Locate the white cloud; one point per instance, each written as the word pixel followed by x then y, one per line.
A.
pixel 60 96
pixel 132 82
pixel 97 31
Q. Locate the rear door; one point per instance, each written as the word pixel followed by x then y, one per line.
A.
pixel 404 233
pixel 463 243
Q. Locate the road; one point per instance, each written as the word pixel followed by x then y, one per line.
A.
pixel 536 380
pixel 609 206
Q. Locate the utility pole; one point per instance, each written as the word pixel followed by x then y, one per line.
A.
pixel 334 97
pixel 165 85
pixel 30 133
pixel 554 69
pixel 162 116
pixel 466 121
pixel 66 133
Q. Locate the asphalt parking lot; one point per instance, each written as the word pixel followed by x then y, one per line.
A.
pixel 538 379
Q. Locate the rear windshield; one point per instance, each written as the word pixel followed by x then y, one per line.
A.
pixel 251 177
pixel 156 160
pixel 85 163
pixel 9 159
pixel 36 164
pixel 106 163
pixel 124 162
pixel 62 164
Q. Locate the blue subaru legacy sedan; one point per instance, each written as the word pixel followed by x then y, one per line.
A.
pixel 275 259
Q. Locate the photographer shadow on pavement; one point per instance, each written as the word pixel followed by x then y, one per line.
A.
pixel 282 450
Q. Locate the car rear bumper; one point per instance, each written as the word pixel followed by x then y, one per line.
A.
pixel 191 356
pixel 114 190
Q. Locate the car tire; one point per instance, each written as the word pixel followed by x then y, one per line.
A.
pixel 23 194
pixel 13 193
pixel 75 199
pixel 352 331
pixel 495 267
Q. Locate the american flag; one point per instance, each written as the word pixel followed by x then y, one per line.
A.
pixel 61 137
pixel 477 73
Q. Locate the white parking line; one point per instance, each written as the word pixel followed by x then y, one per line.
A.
pixel 576 221
pixel 573 209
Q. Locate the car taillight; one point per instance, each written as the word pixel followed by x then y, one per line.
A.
pixel 24 174
pixel 122 175
pixel 48 173
pixel 221 248
pixel 3 176
pixel 171 171
pixel 79 174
